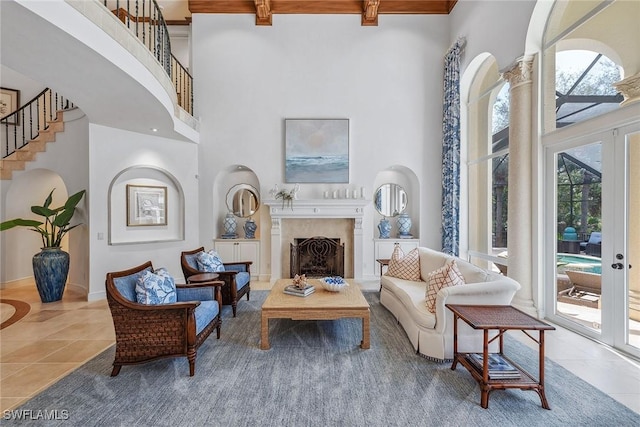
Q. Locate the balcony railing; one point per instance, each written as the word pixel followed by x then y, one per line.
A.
pixel 25 124
pixel 144 19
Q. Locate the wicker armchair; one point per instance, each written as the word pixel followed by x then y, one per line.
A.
pixel 149 332
pixel 236 277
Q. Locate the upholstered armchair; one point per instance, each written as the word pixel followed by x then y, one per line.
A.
pixel 236 276
pixel 146 332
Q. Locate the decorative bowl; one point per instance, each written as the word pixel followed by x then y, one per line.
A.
pixel 333 283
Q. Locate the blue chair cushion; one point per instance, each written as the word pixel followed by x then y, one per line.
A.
pixel 595 238
pixel 209 262
pixel 201 293
pixel 205 313
pixel 235 267
pixel 156 288
pixel 126 285
pixel 242 279
pixel 192 260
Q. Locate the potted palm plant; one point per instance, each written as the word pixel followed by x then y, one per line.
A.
pixel 51 264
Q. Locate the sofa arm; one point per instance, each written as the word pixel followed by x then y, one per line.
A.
pixel 497 292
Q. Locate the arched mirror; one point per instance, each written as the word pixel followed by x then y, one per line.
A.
pixel 390 199
pixel 243 200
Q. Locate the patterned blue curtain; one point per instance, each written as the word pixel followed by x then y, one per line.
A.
pixel 451 150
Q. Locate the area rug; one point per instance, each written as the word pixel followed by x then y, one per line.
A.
pixel 314 375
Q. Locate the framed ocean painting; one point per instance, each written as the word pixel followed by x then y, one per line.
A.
pixel 316 150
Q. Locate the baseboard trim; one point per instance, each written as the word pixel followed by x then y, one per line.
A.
pixel 26 281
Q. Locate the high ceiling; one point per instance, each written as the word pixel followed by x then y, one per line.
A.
pixel 179 11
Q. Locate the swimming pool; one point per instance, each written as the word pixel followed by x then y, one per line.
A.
pixel 579 262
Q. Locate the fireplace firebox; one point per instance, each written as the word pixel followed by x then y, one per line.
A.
pixel 317 257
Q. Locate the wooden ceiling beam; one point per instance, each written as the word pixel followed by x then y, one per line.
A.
pixel 416 7
pixel 317 6
pixel 263 12
pixel 370 12
pixel 362 7
pixel 222 6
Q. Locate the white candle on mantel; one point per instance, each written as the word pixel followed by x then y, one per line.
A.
pixel 362 192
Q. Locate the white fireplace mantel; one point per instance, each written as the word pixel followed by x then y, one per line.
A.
pixel 310 209
pixel 317 208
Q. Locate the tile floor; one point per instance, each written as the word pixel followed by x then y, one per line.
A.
pixel 56 338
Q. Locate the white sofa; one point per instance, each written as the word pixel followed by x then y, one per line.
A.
pixel 432 334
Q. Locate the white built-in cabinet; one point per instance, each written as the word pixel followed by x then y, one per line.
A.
pixel 233 250
pixel 383 248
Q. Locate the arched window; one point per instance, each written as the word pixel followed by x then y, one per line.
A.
pixel 500 169
pixel 488 166
pixel 584 86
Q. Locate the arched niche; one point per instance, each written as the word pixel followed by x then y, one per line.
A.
pixel 20 244
pixel 233 176
pixel 404 177
pixel 121 205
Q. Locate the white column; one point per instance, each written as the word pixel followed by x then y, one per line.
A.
pixel 276 244
pixel 357 248
pixel 519 225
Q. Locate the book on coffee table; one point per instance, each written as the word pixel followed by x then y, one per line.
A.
pixel 294 290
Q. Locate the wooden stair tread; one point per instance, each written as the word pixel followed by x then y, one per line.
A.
pixel 17 160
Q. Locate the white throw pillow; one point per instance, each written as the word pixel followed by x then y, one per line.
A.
pixel 472 273
pixel 403 266
pixel 209 262
pixel 431 260
pixel 156 288
pixel 447 275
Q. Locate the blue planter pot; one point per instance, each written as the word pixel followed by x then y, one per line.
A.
pixel 50 269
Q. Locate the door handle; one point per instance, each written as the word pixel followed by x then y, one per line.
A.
pixel 617 266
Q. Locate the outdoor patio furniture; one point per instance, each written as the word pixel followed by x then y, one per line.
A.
pixel 594 246
pixel 585 289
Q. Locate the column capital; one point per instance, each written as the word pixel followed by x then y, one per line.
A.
pixel 629 88
pixel 520 72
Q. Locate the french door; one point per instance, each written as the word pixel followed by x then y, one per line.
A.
pixel 592 208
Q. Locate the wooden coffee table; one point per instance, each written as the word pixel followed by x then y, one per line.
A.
pixel 320 305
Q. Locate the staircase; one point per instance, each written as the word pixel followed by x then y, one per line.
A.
pixel 19 158
pixel 26 132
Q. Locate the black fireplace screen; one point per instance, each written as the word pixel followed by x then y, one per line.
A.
pixel 317 257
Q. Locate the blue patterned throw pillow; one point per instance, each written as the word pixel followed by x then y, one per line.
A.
pixel 156 288
pixel 209 262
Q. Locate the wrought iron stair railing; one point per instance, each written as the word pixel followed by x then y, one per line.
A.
pixel 144 19
pixel 26 123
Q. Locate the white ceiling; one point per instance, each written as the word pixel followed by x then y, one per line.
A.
pixel 95 73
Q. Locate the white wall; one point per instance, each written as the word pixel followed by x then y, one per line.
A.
pixel 20 244
pixel 387 80
pixel 13 80
pixel 65 161
pixel 111 152
pixel 497 27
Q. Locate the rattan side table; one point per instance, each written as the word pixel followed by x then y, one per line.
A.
pixel 501 318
